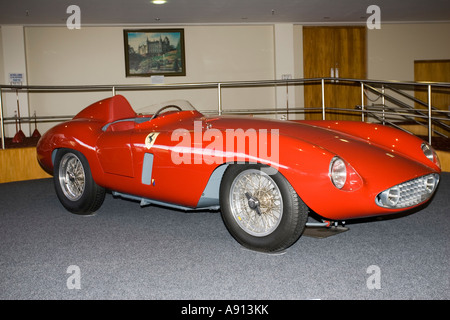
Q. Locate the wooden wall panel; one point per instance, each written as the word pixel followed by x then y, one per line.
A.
pixel 433 71
pixel 444 158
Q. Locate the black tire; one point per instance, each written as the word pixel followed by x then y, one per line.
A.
pixel 74 185
pixel 270 217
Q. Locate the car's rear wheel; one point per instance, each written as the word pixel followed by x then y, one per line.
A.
pixel 74 185
pixel 262 212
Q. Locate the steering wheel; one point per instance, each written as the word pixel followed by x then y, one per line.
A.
pixel 164 108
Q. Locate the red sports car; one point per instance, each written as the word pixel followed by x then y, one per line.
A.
pixel 265 176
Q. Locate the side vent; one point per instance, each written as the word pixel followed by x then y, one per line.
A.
pixel 147 168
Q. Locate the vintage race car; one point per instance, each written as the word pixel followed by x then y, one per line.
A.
pixel 265 176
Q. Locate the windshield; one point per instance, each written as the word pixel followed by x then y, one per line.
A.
pixel 184 105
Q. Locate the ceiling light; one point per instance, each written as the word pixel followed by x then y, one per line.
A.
pixel 159 1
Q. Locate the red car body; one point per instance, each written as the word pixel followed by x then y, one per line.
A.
pixel 116 143
pixel 381 156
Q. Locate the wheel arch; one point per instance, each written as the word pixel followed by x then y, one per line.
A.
pixel 211 193
pixel 91 157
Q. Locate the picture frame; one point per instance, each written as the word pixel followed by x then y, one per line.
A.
pixel 154 52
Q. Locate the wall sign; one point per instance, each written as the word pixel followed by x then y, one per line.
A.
pixel 16 79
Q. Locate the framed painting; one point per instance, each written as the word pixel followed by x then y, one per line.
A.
pixel 150 52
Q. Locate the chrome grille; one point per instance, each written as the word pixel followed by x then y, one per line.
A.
pixel 409 193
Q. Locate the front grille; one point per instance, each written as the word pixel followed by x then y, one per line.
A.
pixel 409 193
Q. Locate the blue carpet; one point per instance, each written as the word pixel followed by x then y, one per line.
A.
pixel 128 252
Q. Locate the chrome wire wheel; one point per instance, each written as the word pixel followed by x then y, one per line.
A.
pixel 256 202
pixel 74 184
pixel 72 177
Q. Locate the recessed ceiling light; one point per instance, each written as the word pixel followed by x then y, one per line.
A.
pixel 159 1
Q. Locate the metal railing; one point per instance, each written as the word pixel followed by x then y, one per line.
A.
pixel 393 100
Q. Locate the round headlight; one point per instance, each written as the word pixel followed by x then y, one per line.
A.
pixel 389 198
pixel 338 172
pixel 431 182
pixel 429 152
pixel 392 196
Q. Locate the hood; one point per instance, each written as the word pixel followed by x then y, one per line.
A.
pixel 370 148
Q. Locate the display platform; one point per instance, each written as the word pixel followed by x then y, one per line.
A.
pixel 18 162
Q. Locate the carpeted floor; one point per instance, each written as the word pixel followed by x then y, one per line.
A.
pixel 129 252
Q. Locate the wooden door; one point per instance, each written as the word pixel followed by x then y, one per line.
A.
pixel 318 61
pixel 334 52
pixel 433 71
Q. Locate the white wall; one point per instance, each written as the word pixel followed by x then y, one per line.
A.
pixel 298 70
pixel 95 55
pixel 393 49
pixel 284 63
pixel 2 71
pixel 13 56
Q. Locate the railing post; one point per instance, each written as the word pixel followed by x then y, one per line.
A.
pixel 1 121
pixel 287 100
pixel 219 98
pixel 362 102
pixel 323 99
pixel 113 91
pixel 383 101
pixel 429 114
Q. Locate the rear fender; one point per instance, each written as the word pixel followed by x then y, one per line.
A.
pixel 67 136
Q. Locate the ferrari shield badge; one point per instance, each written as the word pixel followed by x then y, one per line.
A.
pixel 150 139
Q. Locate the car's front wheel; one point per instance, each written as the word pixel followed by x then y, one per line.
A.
pixel 74 185
pixel 262 212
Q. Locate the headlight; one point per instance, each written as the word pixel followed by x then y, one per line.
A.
pixel 389 198
pixel 409 193
pixel 429 152
pixel 338 172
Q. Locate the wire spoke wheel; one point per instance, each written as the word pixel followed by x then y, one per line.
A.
pixel 71 177
pixel 74 184
pixel 262 211
pixel 256 202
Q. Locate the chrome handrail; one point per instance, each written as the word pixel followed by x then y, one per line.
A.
pixel 219 86
pixel 418 113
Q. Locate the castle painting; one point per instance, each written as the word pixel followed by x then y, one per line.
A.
pixel 154 52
